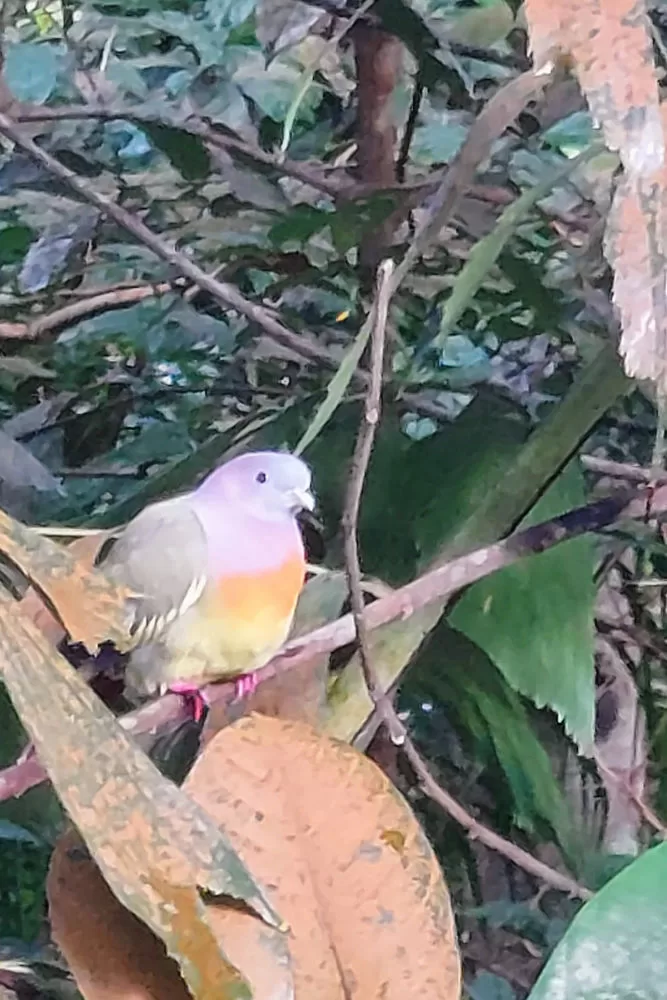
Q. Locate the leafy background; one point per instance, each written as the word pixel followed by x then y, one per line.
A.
pixel 231 127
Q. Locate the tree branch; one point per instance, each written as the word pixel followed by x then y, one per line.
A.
pixel 221 291
pixel 439 583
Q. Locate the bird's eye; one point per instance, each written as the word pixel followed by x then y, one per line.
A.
pixel 260 477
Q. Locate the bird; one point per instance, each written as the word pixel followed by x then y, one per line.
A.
pixel 214 576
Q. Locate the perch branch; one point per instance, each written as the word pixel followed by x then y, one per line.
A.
pixel 435 585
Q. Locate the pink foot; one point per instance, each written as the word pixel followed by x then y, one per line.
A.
pixel 246 685
pixel 193 694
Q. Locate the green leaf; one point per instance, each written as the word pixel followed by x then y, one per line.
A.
pixel 337 387
pixel 487 986
pixel 453 671
pixel 535 618
pixel 186 152
pixel 30 71
pixel 615 947
pixel 302 222
pixel 229 13
pixel 14 241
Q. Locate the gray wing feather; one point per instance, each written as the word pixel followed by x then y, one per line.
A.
pixel 161 558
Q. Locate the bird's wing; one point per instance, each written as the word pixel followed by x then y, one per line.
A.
pixel 161 557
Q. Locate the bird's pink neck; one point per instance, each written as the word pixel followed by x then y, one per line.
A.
pixel 243 542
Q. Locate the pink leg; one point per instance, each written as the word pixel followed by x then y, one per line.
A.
pixel 246 685
pixel 192 693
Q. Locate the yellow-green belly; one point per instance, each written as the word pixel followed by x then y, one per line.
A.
pixel 237 625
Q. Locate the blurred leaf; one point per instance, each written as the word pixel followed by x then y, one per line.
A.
pixel 535 618
pixel 229 13
pixel 14 241
pixel 613 950
pixel 49 254
pixel 487 986
pixel 23 367
pixel 484 25
pixel 30 71
pixel 452 671
pixel 186 152
pixel 18 467
pixel 484 254
pixel 88 605
pixel 283 23
pixel 337 386
pixel 196 34
pixel 17 834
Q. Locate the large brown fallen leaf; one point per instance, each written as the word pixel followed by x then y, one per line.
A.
pixel 157 849
pixel 342 855
pixel 90 607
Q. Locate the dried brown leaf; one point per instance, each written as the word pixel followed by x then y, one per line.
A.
pixel 346 862
pixel 156 848
pixel 612 52
pixel 344 857
pixel 110 952
pixel 89 606
pixel 636 245
pixel 611 48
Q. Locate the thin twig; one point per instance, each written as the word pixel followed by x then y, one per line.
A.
pixel 360 460
pixel 53 322
pixel 650 817
pixel 478 831
pixel 622 470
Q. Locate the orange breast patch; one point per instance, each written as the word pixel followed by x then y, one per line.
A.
pixel 272 593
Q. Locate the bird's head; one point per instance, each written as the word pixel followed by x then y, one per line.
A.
pixel 270 485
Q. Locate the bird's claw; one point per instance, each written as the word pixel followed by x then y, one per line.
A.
pixel 193 695
pixel 246 685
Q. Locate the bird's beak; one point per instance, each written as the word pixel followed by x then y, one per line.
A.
pixel 302 500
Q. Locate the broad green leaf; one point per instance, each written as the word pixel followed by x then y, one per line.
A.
pixel 438 142
pixel 30 71
pixel 615 947
pixel 454 673
pixel 535 618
